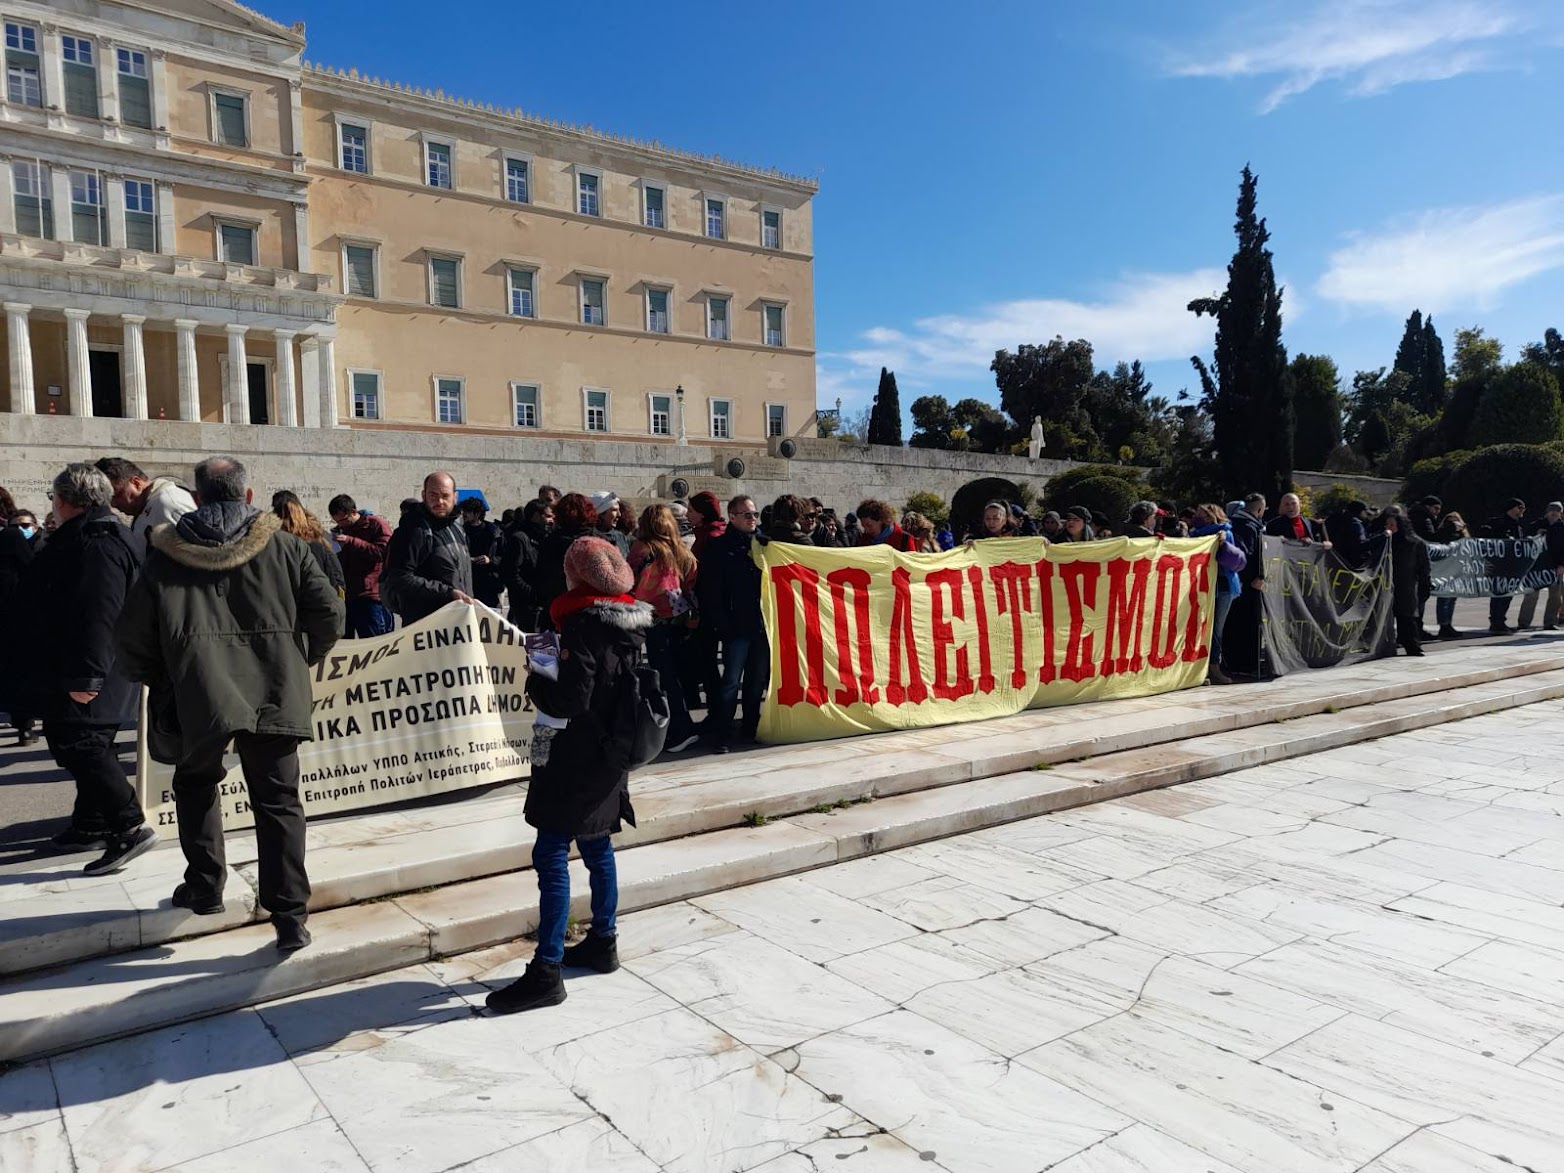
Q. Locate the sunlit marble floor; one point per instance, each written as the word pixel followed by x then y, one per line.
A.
pixel 1353 961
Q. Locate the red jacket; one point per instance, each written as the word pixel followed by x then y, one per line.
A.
pixel 363 555
pixel 897 539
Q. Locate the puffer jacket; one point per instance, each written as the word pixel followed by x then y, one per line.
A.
pixel 68 602
pixel 579 793
pixel 426 563
pixel 228 616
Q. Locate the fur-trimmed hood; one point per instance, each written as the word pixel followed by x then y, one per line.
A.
pixel 167 540
pixel 621 616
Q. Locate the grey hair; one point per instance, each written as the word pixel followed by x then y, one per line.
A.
pixel 83 486
pixel 220 478
pixel 1142 510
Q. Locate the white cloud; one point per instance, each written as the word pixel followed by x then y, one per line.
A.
pixel 1371 46
pixel 1448 258
pixel 1143 316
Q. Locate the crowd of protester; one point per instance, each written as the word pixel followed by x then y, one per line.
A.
pixel 221 608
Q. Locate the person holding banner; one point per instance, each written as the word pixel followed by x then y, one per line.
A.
pixel 729 592
pixel 1411 578
pixel 1452 528
pixel 580 791
pixel 229 615
pixel 1551 530
pixel 1507 525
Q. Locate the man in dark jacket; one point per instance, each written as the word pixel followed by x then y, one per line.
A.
pixel 486 548
pixel 72 595
pixel 1142 517
pixel 427 564
pixel 1241 634
pixel 1347 534
pixel 1290 522
pixel 1411 580
pixel 229 616
pixel 728 587
pixel 519 564
pixel 362 540
pixel 1509 526
pixel 1424 517
pixel 1551 530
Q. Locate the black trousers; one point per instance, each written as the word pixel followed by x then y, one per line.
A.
pixel 271 774
pixel 105 799
pixel 1409 631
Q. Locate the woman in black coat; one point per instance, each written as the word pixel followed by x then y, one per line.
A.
pixel 574 517
pixel 71 597
pixel 579 790
pixel 519 565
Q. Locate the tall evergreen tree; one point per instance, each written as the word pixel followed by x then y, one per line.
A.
pixel 1247 389
pixel 1409 355
pixel 1433 385
pixel 885 419
pixel 1317 402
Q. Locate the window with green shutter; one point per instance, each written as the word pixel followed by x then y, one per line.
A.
pixel 135 88
pixel 81 76
pixel 140 215
pixel 88 224
pixel 232 130
pixel 31 182
pixel 238 243
pixel 445 282
pixel 359 260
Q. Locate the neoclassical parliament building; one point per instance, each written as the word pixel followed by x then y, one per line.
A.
pixel 195 224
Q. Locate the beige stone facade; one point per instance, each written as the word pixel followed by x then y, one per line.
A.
pixel 196 225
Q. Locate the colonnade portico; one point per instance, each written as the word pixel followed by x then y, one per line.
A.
pixel 290 352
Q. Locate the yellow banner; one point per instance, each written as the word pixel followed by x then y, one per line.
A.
pixel 866 640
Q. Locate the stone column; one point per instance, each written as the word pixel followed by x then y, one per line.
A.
pixel 78 364
pixel 157 65
pixel 189 384
pixel 114 204
pixel 108 80
pixel 7 195
pixel 51 67
pixel 135 368
pixel 238 389
pixel 328 383
pixel 64 222
pixel 287 384
pixel 21 349
pixel 309 377
pixel 165 219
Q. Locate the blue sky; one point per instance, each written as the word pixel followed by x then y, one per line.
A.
pixel 998 173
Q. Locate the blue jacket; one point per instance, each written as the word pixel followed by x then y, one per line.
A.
pixel 1226 580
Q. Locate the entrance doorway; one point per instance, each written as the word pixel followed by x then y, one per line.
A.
pixel 260 393
pixel 108 395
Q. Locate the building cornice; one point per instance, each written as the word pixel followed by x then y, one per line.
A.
pixel 254 23
pixel 351 83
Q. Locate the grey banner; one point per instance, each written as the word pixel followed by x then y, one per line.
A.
pixel 1319 612
pixel 1485 568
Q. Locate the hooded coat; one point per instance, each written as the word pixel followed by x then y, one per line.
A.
pixel 579 793
pixel 68 602
pixel 228 617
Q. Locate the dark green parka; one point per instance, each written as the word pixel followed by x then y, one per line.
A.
pixel 228 616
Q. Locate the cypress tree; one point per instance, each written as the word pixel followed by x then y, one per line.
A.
pixel 1409 355
pixel 1431 385
pixel 1247 390
pixel 885 419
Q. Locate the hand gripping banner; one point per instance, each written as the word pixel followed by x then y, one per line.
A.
pixel 1319 612
pixel 866 640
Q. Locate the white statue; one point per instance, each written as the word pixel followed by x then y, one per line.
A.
pixel 1034 446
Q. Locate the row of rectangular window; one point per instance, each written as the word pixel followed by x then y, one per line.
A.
pixel 360 279
pixel 32 185
pixel 439 171
pixel 450 407
pixel 79 72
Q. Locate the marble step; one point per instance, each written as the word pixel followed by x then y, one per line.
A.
pixel 105 997
pixel 58 916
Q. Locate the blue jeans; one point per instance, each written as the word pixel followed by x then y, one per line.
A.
pixel 1224 604
pixel 551 861
pixel 746 667
pixel 1444 612
pixel 365 618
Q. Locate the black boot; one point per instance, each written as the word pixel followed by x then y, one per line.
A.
pixel 291 936
pixel 541 985
pixel 593 952
pixel 1447 631
pixel 198 902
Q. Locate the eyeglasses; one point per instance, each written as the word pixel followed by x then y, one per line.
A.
pixel 746 515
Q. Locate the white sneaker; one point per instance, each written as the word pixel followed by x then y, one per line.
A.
pixel 681 746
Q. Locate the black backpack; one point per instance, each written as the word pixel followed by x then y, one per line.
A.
pixel 641 716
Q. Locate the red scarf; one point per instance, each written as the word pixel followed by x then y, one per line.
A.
pixel 1300 531
pixel 579 599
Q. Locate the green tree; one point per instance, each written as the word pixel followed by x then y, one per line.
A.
pixel 1476 355
pixel 1125 414
pixel 931 505
pixel 1374 437
pixel 1317 403
pixel 1520 406
pixel 984 424
pixel 1374 391
pixel 1049 381
pixel 1475 365
pixel 932 423
pixel 885 417
pixel 1421 357
pixel 1246 389
pixel 1548 353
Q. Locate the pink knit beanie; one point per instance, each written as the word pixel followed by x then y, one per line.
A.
pixel 599 567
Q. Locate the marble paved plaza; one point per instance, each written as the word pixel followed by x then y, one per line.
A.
pixel 1352 961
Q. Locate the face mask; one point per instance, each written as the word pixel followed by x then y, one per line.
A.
pixel 27 531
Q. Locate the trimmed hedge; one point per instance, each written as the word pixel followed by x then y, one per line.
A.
pixel 1060 492
pixel 1109 496
pixel 1479 485
pixel 966 507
